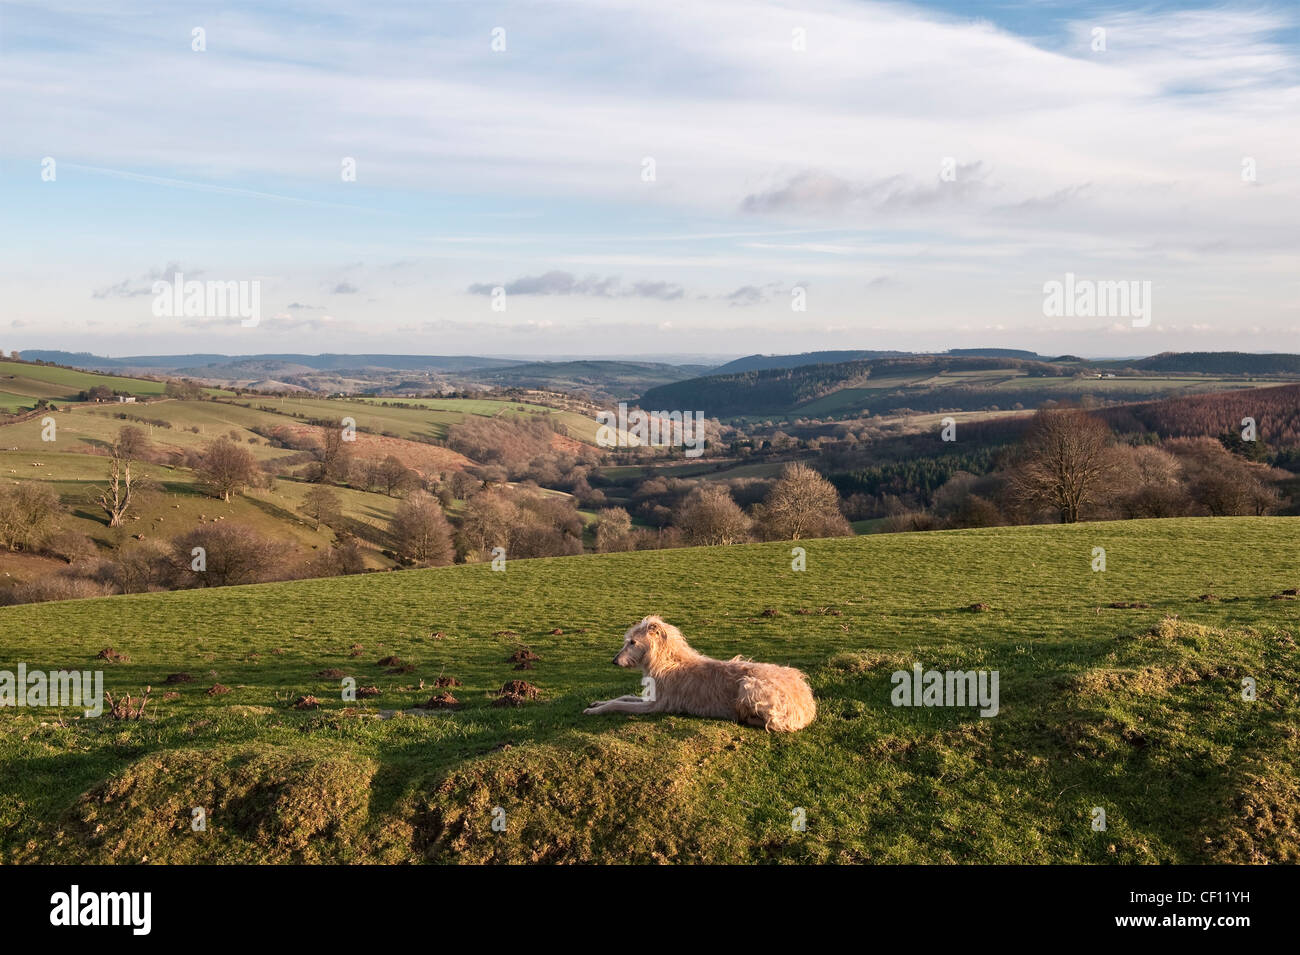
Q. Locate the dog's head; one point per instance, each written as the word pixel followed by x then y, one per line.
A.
pixel 645 641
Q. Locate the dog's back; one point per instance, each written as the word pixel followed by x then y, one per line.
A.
pixel 774 697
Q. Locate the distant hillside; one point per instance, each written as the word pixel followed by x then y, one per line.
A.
pixel 23 385
pixel 390 374
pixel 769 362
pixel 621 379
pixel 933 383
pixel 197 364
pixel 996 353
pixel 1221 363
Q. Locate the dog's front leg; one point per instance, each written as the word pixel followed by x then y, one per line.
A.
pixel 624 705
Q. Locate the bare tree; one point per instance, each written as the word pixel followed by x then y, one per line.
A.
pixel 1066 462
pixel 115 499
pixel 231 554
pixel 322 505
pixel 802 504
pixel 395 476
pixel 613 530
pixel 28 512
pixel 226 468
pixel 333 456
pixel 709 515
pixel 422 532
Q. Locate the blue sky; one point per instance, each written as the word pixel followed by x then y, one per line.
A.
pixel 776 168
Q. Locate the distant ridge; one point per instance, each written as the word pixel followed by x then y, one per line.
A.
pixel 324 362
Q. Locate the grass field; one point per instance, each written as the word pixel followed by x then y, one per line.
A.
pixel 426 419
pixel 22 384
pixel 1126 709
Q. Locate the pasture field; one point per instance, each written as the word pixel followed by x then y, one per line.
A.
pixel 30 382
pixel 1119 689
pixel 426 419
pixel 170 501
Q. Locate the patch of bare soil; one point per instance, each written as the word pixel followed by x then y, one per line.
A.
pixel 217 689
pixel 520 688
pixel 175 678
pixel 440 701
pixel 1264 827
pixel 522 655
pixel 365 692
pixel 332 673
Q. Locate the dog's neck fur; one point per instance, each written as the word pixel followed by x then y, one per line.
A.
pixel 669 654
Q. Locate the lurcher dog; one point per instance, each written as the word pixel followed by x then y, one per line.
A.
pixel 686 681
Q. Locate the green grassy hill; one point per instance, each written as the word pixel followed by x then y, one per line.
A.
pixel 22 385
pixel 418 419
pixel 1136 709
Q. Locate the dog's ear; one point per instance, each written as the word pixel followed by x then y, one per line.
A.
pixel 656 629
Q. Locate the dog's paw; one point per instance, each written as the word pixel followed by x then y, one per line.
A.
pixel 594 708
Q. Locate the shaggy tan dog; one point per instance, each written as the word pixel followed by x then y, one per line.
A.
pixel 686 681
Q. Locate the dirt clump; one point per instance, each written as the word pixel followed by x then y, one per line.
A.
pixel 520 688
pixel 440 701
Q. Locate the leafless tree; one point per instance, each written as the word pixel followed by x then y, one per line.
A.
pixel 709 515
pixel 115 499
pixel 394 476
pixel 232 554
pixel 226 468
pixel 333 456
pixel 613 530
pixel 28 512
pixel 422 532
pixel 1066 462
pixel 322 505
pixel 802 504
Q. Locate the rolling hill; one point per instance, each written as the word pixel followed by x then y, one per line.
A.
pixel 22 385
pixel 930 384
pixel 1119 690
